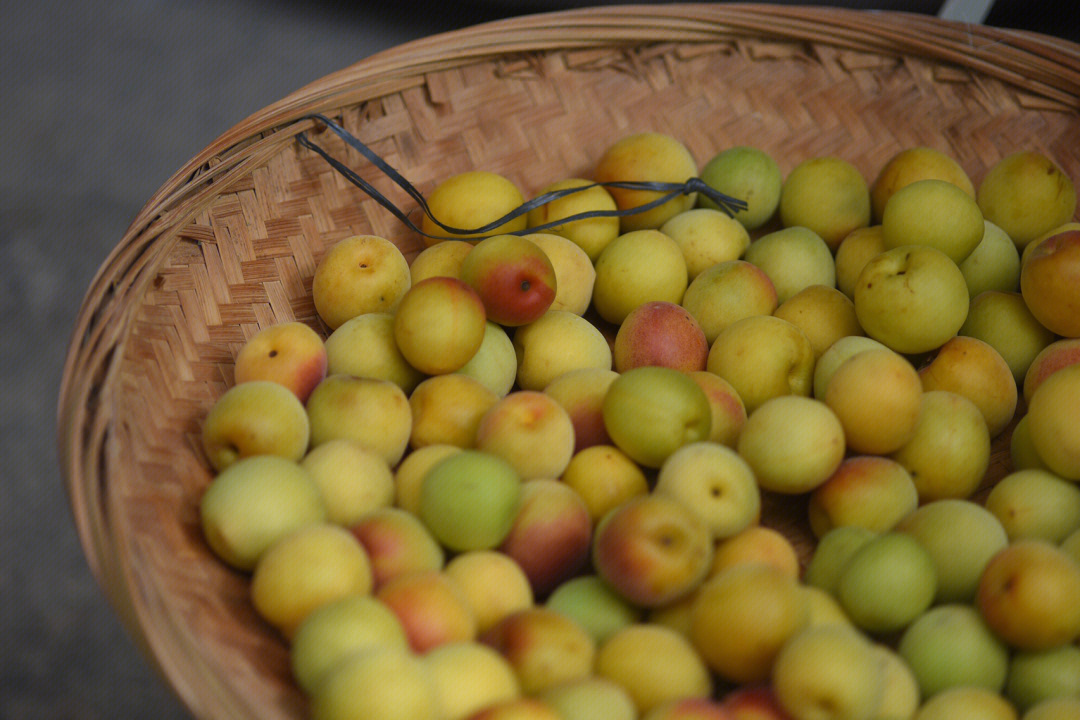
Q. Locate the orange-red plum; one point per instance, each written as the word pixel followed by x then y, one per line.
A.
pixel 660 333
pixel 289 353
pixel 550 534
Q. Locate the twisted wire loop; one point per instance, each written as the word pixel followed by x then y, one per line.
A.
pixel 670 190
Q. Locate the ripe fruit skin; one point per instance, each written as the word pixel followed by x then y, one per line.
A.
pixel 513 277
pixel 652 550
pixel 1048 282
pixel 1027 595
pixel 288 353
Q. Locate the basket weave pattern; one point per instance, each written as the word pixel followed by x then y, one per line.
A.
pixel 230 244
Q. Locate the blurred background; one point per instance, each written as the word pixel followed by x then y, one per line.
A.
pixel 103 102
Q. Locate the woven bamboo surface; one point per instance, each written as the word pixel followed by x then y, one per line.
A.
pixel 230 243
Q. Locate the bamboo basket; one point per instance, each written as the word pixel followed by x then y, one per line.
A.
pixel 230 243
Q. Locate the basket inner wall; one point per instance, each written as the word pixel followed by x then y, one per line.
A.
pixel 247 261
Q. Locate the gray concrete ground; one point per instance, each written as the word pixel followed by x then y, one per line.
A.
pixel 102 102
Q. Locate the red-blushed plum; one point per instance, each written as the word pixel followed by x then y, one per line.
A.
pixel 544 647
pixel 652 550
pixel 550 534
pixel 431 607
pixel 259 417
pixel 1027 595
pixel 660 333
pixel 513 277
pixel 306 569
pixel 290 353
pixel 581 393
pixel 871 491
pixel 397 543
pixel 728 411
pixel 357 275
pixel 1053 357
pixel 753 702
pixel 741 618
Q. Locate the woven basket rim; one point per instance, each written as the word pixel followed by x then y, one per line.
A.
pixel 1045 68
